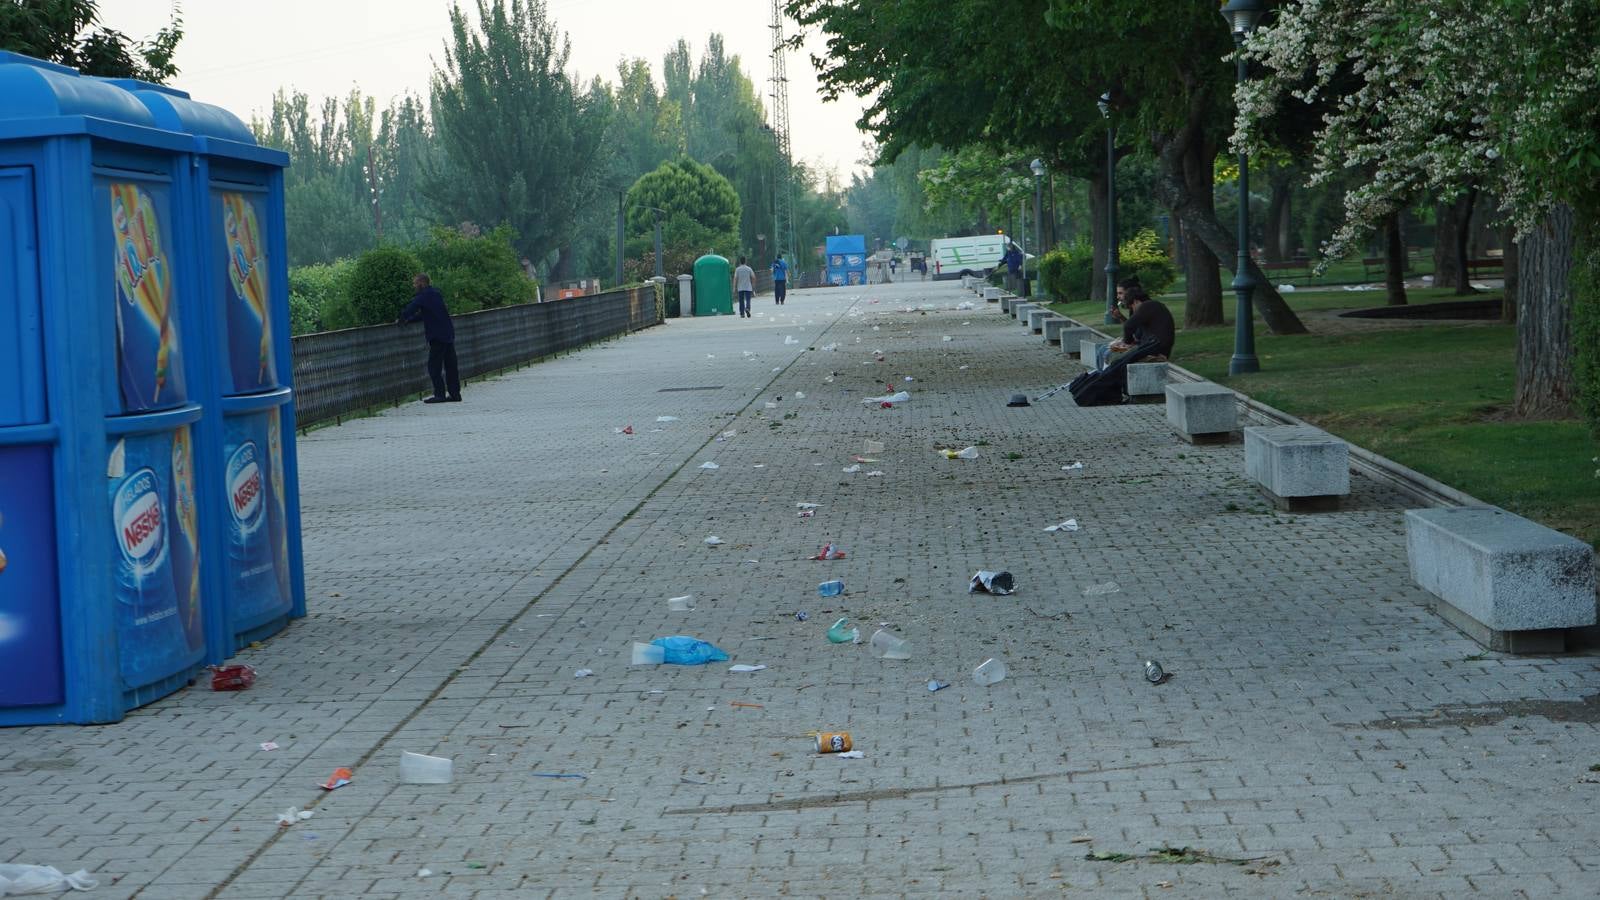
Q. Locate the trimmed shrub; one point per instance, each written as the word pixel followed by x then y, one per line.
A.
pixel 380 285
pixel 1068 272
pixel 475 272
pixel 318 292
pixel 1142 256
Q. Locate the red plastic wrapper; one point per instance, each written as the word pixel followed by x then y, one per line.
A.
pixel 232 678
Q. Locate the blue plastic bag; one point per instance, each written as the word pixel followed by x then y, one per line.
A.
pixel 679 650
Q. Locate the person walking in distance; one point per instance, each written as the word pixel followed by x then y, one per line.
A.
pixel 428 306
pixel 780 279
pixel 744 281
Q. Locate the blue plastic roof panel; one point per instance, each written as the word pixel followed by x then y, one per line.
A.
pixel 34 89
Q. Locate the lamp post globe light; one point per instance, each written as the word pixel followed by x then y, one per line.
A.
pixel 1242 16
pixel 1038 205
pixel 1111 207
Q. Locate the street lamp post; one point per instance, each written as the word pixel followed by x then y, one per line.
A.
pixel 1111 207
pixel 1038 220
pixel 1242 16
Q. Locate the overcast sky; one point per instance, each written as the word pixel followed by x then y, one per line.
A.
pixel 235 55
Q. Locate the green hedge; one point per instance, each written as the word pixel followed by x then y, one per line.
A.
pixel 478 272
pixel 380 286
pixel 1143 257
pixel 1068 272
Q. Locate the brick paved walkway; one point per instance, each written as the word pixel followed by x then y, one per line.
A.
pixel 464 561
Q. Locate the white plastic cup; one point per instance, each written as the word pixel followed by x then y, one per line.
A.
pixel 680 604
pixel 648 654
pixel 990 671
pixel 886 645
pixel 417 768
pixel 872 447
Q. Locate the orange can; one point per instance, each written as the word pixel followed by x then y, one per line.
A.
pixel 833 742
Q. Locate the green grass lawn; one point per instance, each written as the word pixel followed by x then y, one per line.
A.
pixel 1434 397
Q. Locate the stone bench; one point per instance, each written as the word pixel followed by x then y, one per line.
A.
pixel 1005 302
pixel 1053 328
pixel 991 293
pixel 1087 347
pixel 1147 382
pixel 1072 337
pixel 1202 412
pixel 1037 317
pixel 1508 583
pixel 1298 467
pixel 1021 308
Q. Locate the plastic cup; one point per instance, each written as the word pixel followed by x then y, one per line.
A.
pixel 886 645
pixel 417 768
pixel 990 671
pixel 680 604
pixel 648 654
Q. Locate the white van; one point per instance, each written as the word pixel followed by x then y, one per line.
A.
pixel 975 255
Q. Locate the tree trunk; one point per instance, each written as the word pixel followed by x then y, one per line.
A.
pixel 1202 303
pixel 1508 302
pixel 1097 237
pixel 1200 222
pixel 1545 385
pixel 1444 245
pixel 1394 259
pixel 1463 218
pixel 1278 240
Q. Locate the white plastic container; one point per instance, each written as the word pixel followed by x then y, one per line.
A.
pixel 885 645
pixel 990 671
pixel 648 654
pixel 417 768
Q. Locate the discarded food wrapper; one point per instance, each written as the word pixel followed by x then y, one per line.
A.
pixel 713 540
pixel 966 453
pixel 889 399
pixel 626 429
pixel 851 469
pixel 833 742
pixel 806 513
pixel 744 668
pixel 799 395
pixel 829 551
pixel 935 685
pixel 424 873
pixel 875 473
pixel 709 465
pixel 990 671
pixel 17 879
pixel 771 405
pixel 863 459
pixel 789 340
pixel 1069 468
pixel 1100 590
pixel 872 447
pixel 1068 525
pixel 232 678
pixel 945 338
pixel 681 604
pixel 843 633
pixel 1154 674
pixel 909 378
pixel 887 645
pixel 992 583
pixel 678 650
pixel 830 588
pixel 292 815
pixel 266 746
pixel 801 615
pixel 807 505
pixel 852 754
pixel 340 777
pixel 666 418
pixel 583 673
pixel 419 768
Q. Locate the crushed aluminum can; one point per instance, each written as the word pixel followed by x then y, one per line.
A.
pixel 833 742
pixel 1154 674
pixel 992 583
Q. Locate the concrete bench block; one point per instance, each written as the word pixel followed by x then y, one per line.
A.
pixel 1147 382
pixel 1053 327
pixel 1021 308
pixel 1072 337
pixel 991 293
pixel 1005 303
pixel 1298 467
pixel 1202 412
pixel 1509 583
pixel 1087 347
pixel 1036 319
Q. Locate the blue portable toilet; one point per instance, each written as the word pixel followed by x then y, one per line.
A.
pixel 107 588
pixel 248 445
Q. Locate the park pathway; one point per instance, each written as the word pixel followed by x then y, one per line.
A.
pixel 1323 728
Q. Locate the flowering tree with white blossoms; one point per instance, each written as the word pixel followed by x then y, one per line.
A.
pixel 1443 96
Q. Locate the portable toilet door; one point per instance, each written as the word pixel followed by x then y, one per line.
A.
pixel 713 286
pixel 101 605
pixel 249 479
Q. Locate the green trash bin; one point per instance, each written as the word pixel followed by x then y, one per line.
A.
pixel 713 286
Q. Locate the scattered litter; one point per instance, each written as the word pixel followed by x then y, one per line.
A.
pixel 232 678
pixel 419 768
pixel 1069 468
pixel 935 685
pixel 424 873
pixel 851 470
pixel 681 604
pixel 771 405
pixel 830 588
pixel 833 742
pixel 713 541
pixel 709 465
pixel 806 513
pixel 626 429
pixel 966 304
pixel 789 340
pixel 1154 674
pixel 889 399
pixel 726 435
pixel 886 645
pixel 666 418
pixel 1068 525
pixel 801 615
pixel 744 668
pixel 909 378
pixel 678 650
pixel 1082 839
pixel 269 745
pixel 990 671
pixel 945 338
pixel 1289 288
pixel 852 754
pixel 828 551
pixel 583 673
pixel 292 815
pixel 962 368
pixel 808 506
pixel 967 453
pixel 759 466
pixel 872 447
pixel 1100 590
pixel 992 583
pixel 875 473
pixel 739 704
pixel 340 777
pixel 577 775
pixel 1018 400
pixel 16 879
pixel 843 633
pixel 799 395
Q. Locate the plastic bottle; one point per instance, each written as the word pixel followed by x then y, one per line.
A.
pixel 843 633
pixel 830 588
pixel 990 671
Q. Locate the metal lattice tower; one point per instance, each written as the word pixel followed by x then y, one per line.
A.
pixel 783 188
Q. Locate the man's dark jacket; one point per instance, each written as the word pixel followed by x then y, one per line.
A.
pixel 428 305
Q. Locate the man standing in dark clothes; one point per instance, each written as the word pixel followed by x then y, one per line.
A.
pixel 428 305
pixel 1148 322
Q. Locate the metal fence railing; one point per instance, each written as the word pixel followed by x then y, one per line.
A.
pixel 337 373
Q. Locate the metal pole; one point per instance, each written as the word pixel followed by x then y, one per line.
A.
pixel 620 239
pixel 1111 222
pixel 661 270
pixel 1038 215
pixel 1244 334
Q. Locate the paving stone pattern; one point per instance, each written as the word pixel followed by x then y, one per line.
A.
pixel 463 561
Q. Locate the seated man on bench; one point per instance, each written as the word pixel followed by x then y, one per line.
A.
pixel 1146 322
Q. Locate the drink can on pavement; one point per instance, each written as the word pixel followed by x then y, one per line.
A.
pixel 833 742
